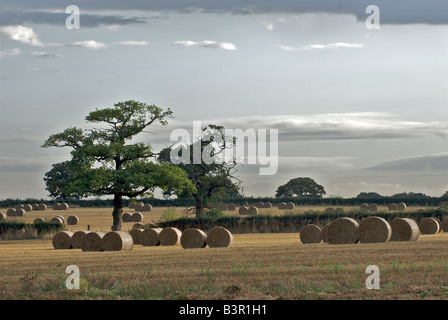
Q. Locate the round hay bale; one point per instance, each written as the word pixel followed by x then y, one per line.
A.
pixel 429 226
pixel 77 239
pixel 38 220
pixel 63 206
pixel 57 220
pixel 2 216
pixel 281 205
pixel 28 207
pixel 92 241
pixel 137 217
pixel 343 231
pixel 392 206
pixel 268 205
pixel 11 212
pixel 35 206
pixel 243 210
pixel 56 206
pixel 117 241
pixel 401 206
pixel 364 207
pixel 339 210
pixel 150 237
pixel 329 210
pixel 61 217
pixel 440 223
pixel 126 217
pixel 20 212
pixel 222 207
pixel 373 207
pixel 311 234
pixel 62 240
pixel 219 237
pixel 169 236
pixel 19 206
pixel 325 233
pixel 444 225
pixel 373 230
pixel 259 205
pixel 138 206
pixel 404 229
pixel 290 206
pixel 131 205
pixel 72 220
pixel 42 207
pixel 231 207
pixel 252 210
pixel 135 234
pixel 146 207
pixel 193 238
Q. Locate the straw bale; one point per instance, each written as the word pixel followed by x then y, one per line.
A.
pixel 57 220
pixel 281 205
pixel 72 220
pixel 444 225
pixel 243 210
pixel 2 216
pixel 325 233
pixel 126 217
pixel 364 206
pixel 311 233
pixel 92 241
pixel 35 206
pixel 169 236
pixel 268 205
pixel 401 206
pixel 231 207
pixel 42 207
pixel 429 226
pixel 252 210
pixel 28 207
pixel 193 238
pixel 11 212
pixel 64 206
pixel 117 241
pixel 219 237
pixel 290 206
pixel 146 207
pixel 374 229
pixel 373 207
pixel 137 217
pixel 136 234
pixel 404 229
pixel 77 238
pixel 343 231
pixel 38 220
pixel 62 240
pixel 56 206
pixel 20 212
pixel 150 237
pixel 392 206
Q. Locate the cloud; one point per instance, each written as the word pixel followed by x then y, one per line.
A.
pixel 18 52
pixel 132 43
pixel 206 44
pixel 329 46
pixel 422 163
pixel 10 53
pixel 269 26
pixel 21 34
pixel 89 44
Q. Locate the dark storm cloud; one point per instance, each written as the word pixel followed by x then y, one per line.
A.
pixel 392 11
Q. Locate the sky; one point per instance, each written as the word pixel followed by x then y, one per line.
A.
pixel 357 108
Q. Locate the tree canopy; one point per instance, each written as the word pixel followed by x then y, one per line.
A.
pixel 300 187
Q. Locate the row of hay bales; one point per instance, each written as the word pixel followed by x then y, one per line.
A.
pixel 132 217
pixel 60 206
pixel 190 238
pixel 71 220
pixel 140 206
pixel 391 206
pixel 371 230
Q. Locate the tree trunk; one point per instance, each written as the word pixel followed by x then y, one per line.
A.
pixel 118 211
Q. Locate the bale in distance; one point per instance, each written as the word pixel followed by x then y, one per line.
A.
pixel 136 235
pixel 169 236
pixel 252 210
pixel 137 217
pixel 19 206
pixel 146 207
pixel 373 207
pixel 392 206
pixel 38 220
pixel 20 212
pixel 281 205
pixel 231 207
pixel 131 205
pixel 374 230
pixel 150 237
pixel 62 240
pixel 401 206
pixel 343 231
pixel 2 216
pixel 311 233
pixel 364 207
pixel 56 206
pixel 404 229
pixel 117 241
pixel 339 210
pixel 440 223
pixel 429 226
pixel 259 204
pixel 329 210
pixel 61 217
pixel 28 207
pixel 219 237
pixel 35 206
pixel 222 207
pixel 57 220
pixel 243 210
pixel 290 206
pixel 138 206
pixel 444 225
pixel 42 207
pixel 193 238
pixel 268 205
pixel 92 241
pixel 64 206
pixel 126 217
pixel 11 212
pixel 72 220
pixel 77 239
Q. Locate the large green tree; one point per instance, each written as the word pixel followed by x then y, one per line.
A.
pixel 104 161
pixel 300 187
pixel 213 180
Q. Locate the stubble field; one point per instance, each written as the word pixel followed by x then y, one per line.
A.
pixel 256 266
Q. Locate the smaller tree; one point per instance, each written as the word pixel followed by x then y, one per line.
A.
pixel 300 187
